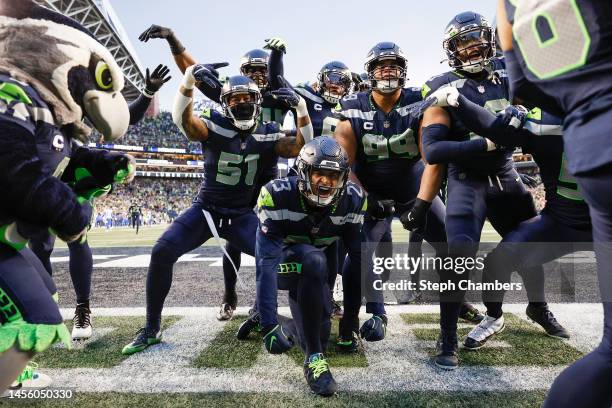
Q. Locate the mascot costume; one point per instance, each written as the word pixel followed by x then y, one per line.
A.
pixel 53 74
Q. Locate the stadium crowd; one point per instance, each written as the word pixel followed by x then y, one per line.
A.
pixel 161 200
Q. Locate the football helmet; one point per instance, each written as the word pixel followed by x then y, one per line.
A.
pixel 243 113
pixel 386 67
pixel 322 154
pixel 334 81
pixel 469 42
pixel 254 64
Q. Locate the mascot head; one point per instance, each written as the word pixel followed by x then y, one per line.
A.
pixel 75 74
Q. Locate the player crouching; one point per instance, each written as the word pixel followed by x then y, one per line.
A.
pixel 300 219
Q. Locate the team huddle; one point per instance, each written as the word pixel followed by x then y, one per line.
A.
pixel 367 149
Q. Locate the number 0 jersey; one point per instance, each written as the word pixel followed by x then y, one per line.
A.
pixel 232 163
pixel 320 111
pixel 387 144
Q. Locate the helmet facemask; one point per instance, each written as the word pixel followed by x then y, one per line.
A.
pixel 470 50
pixel 257 71
pixel 334 85
pixel 321 185
pixel 242 107
pixel 387 75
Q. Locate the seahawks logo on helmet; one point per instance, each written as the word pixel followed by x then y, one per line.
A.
pixel 241 101
pixel 386 67
pixel 469 42
pixel 334 81
pixel 325 158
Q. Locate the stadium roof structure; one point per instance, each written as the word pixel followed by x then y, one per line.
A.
pixel 99 17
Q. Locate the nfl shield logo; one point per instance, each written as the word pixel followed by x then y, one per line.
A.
pixel 481 89
pixel 386 124
pixel 314 230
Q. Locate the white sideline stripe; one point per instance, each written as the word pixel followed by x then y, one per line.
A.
pixel 399 363
pixel 490 344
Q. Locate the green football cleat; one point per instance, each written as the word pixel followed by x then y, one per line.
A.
pixel 144 338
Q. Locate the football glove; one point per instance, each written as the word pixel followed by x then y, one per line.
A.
pixel 515 116
pixel 275 340
pixel 208 74
pixel 529 181
pixel 416 217
pixel 446 96
pixel 374 329
pixel 276 43
pixel 166 33
pixel 380 209
pixel 286 94
pixel 156 80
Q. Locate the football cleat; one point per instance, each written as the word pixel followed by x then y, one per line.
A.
pixel 144 338
pixel 253 323
pixel 447 352
pixel 348 343
pixel 81 323
pixel 374 329
pixel 226 312
pixel 318 376
pixel 544 317
pixel 29 379
pixel 276 341
pixel 470 313
pixel 487 328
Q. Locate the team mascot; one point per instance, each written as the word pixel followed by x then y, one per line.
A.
pixel 53 74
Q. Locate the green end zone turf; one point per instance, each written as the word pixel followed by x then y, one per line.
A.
pixel 103 352
pixel 529 345
pixel 225 351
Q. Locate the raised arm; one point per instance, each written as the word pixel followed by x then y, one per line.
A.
pixel 182 113
pixel 290 146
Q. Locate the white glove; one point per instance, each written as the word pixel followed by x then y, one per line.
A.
pixel 446 96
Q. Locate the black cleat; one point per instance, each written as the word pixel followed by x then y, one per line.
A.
pixel 374 329
pixel 447 352
pixel 348 343
pixel 252 324
pixel 544 317
pixel 318 376
pixel 470 313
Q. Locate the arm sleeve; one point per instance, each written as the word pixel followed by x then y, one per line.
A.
pixel 481 121
pixel 275 68
pixel 438 150
pixel 268 251
pixel 138 108
pixel 521 88
pixel 32 194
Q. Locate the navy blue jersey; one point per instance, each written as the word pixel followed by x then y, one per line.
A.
pixel 488 89
pixel 232 163
pixel 387 144
pixel 285 219
pixel 564 48
pixel 320 111
pixel 272 110
pixel 33 155
pixel 563 199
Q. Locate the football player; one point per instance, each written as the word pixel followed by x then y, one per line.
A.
pixel 300 217
pixel 559 57
pixel 482 180
pixel 564 220
pixel 44 103
pixel 235 142
pixel 378 130
pixel 254 65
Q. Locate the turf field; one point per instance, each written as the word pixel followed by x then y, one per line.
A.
pixel 200 363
